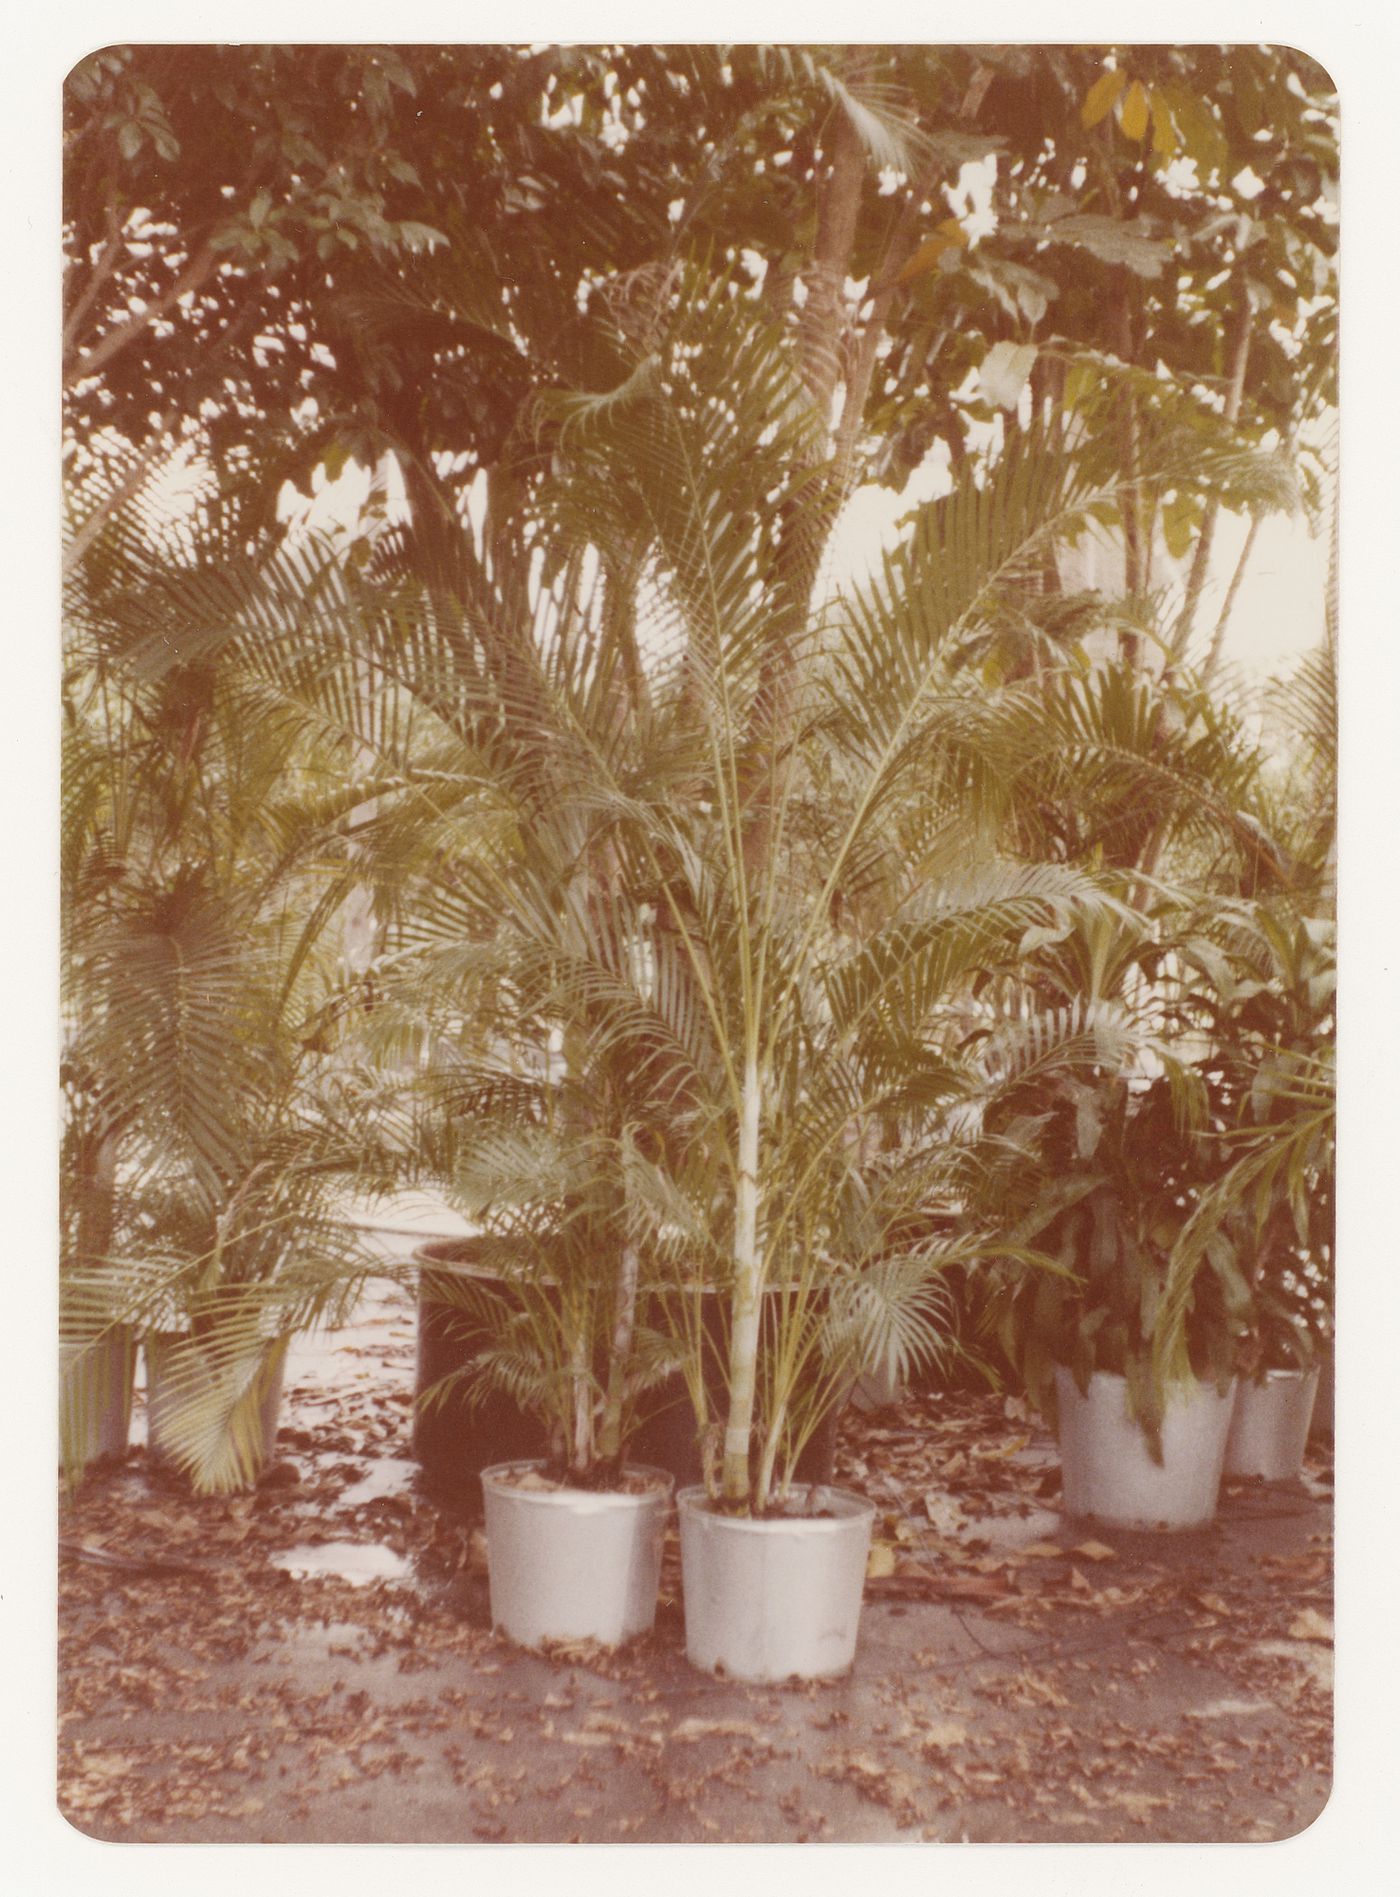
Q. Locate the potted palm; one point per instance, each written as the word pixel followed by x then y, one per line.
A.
pixel 573 1534
pixel 514 979
pixel 614 891
pixel 1271 988
pixel 825 889
pixel 1271 1201
pixel 1140 1447
pixel 208 1123
pixel 537 1128
pixel 97 1350
pixel 1105 1167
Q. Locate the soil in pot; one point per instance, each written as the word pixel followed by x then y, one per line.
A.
pixel 568 1563
pixel 1269 1429
pixel 777 1598
pixel 1108 1470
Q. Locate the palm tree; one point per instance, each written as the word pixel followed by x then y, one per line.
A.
pixel 204 1135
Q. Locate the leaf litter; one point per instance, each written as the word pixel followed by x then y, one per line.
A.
pixel 182 1715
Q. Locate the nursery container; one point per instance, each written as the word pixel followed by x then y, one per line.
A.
pixel 1324 1416
pixel 573 1564
pixel 776 1598
pixel 1269 1431
pixel 1108 1469
pixel 459 1434
pixel 160 1399
pixel 95 1383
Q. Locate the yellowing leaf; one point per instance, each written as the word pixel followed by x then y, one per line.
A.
pixel 949 235
pixel 881 1562
pixel 1164 138
pixel 1133 118
pixel 1102 96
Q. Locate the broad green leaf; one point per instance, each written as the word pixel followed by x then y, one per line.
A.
pixel 1113 240
pixel 1165 141
pixel 1081 380
pixel 1005 371
pixel 1180 516
pixel 1135 110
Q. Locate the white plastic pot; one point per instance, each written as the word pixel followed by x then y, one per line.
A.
pixel 95 1396
pixel 1270 1428
pixel 1108 1469
pixel 161 1348
pixel 776 1598
pixel 572 1564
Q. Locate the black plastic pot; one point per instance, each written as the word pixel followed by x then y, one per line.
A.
pixel 1324 1416
pixel 454 1438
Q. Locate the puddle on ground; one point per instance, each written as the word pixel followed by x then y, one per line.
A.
pixel 357 1561
pixel 382 1477
pixel 1010 1532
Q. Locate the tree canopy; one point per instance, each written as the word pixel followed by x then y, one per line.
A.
pixel 296 252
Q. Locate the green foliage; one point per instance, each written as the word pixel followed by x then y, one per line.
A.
pixel 204 1133
pixel 715 918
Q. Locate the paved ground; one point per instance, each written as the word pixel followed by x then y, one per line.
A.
pixel 314 1662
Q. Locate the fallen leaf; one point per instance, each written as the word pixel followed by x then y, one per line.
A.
pixel 1096 1551
pixel 881 1562
pixel 693 1728
pixel 945 1514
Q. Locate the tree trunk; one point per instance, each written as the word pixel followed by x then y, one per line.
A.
pixel 1200 561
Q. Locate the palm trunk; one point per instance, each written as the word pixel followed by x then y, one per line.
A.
pixel 610 1433
pixel 580 1456
pixel 747 1295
